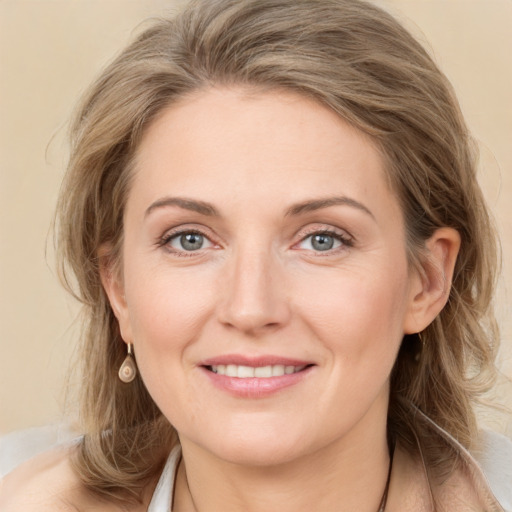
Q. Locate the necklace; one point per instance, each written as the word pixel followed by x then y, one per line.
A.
pixel 383 501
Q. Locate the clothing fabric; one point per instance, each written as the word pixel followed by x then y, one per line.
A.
pixel 483 482
pixel 479 482
pixel 21 445
pixel 484 478
pixel 494 457
pixel 164 490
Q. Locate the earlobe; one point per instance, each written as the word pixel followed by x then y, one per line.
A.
pixel 432 283
pixel 113 285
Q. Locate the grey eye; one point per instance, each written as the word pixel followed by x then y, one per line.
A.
pixel 322 242
pixel 189 241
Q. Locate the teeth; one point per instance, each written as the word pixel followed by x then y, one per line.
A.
pixel 245 372
pixel 263 371
pixel 277 370
pixel 231 370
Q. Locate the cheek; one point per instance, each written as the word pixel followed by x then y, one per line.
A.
pixel 358 319
pixel 168 314
pixel 167 309
pixel 357 312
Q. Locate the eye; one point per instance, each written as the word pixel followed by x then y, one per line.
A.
pixel 187 241
pixel 324 241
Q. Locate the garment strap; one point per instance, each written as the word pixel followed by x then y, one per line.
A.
pixel 164 490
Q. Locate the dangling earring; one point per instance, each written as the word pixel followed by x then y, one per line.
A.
pixel 419 350
pixel 128 370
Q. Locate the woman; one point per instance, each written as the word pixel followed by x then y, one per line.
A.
pixel 287 267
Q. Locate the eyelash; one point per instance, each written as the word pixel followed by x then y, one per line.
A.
pixel 345 240
pixel 169 236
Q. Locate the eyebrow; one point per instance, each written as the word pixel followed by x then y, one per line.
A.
pixel 204 208
pixel 201 207
pixel 318 204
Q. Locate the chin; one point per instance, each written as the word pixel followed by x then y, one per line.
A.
pixel 262 445
pixel 258 453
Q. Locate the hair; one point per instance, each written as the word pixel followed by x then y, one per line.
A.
pixel 357 60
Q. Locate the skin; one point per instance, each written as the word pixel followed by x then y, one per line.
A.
pixel 259 286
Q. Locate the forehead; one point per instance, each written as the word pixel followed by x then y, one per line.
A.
pixel 230 144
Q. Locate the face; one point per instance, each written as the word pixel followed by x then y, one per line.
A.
pixel 265 283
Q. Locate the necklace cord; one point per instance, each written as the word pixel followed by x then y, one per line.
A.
pixel 383 501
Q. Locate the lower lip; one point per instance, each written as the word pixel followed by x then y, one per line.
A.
pixel 254 387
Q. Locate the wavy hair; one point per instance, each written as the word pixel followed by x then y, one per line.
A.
pixel 357 60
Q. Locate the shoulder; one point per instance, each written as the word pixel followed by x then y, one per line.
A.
pixel 48 483
pixel 42 483
pixel 480 476
pixel 493 454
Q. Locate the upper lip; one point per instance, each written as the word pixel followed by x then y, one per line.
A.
pixel 254 361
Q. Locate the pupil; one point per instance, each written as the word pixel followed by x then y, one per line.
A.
pixel 322 242
pixel 191 241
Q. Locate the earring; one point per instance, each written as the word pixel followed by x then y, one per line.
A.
pixel 128 369
pixel 419 349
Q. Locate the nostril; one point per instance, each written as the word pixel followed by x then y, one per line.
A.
pixel 252 296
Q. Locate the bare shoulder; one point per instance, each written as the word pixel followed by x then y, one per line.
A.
pixel 48 483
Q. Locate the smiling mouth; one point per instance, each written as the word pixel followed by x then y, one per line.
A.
pixel 262 372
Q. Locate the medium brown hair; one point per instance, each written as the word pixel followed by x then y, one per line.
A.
pixel 360 62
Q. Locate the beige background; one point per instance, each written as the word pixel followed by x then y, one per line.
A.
pixel 51 50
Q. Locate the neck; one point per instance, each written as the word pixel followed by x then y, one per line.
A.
pixel 348 474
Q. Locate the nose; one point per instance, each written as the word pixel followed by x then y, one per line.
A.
pixel 253 295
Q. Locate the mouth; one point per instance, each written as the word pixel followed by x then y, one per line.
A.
pixel 255 377
pixel 260 372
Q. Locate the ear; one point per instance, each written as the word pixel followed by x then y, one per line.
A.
pixel 431 283
pixel 112 281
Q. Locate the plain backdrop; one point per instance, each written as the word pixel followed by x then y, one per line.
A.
pixel 50 50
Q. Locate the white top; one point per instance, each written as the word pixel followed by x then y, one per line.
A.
pixel 162 497
pixel 494 457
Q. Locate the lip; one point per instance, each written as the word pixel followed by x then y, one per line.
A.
pixel 254 387
pixel 263 360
